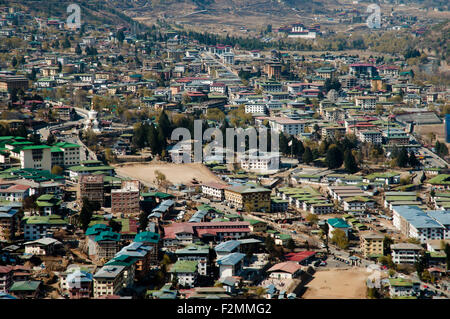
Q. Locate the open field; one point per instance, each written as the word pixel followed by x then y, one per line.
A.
pixel 337 284
pixel 175 173
pixel 438 129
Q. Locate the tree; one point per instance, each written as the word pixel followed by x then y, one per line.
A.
pixel 421 265
pixel 120 36
pixel 402 159
pixel 51 139
pixel 78 49
pixel 260 291
pixel 312 218
pixel 325 228
pixel 164 125
pixel 340 238
pixel 447 255
pixel 115 225
pixel 110 156
pixel 143 221
pixel 334 158
pixel 14 62
pixel 161 180
pixel 307 156
pixel 412 160
pixel 86 213
pixel 350 162
pixel 290 244
pixel 387 242
pixel 57 170
pixel 152 139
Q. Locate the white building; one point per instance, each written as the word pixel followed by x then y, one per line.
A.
pixel 405 253
pixel 255 161
pixel 287 125
pixel 366 102
pixel 109 280
pixel 285 270
pixel 230 265
pixel 214 190
pixel 399 287
pixel 374 137
pixel 256 107
pixel 33 156
pixel 415 223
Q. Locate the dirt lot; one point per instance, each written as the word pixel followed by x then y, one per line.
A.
pixel 438 129
pixel 337 284
pixel 175 173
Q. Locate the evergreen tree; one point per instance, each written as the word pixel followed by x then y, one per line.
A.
pixel 86 213
pixel 350 162
pixel 78 49
pixel 412 160
pixel 164 125
pixel 307 156
pixel 334 157
pixel 152 138
pixel 120 36
pixel 402 159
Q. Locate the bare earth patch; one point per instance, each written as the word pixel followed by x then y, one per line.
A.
pixel 175 173
pixel 337 284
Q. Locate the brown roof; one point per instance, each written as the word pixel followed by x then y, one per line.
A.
pixel 290 267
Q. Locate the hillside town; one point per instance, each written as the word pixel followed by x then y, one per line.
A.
pixel 99 201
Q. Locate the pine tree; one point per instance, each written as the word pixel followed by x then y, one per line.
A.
pixel 412 160
pixel 152 139
pixel 164 125
pixel 350 162
pixel 402 159
pixel 307 156
pixel 78 49
pixel 334 158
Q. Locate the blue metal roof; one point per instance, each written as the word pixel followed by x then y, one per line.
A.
pixel 417 217
pixel 227 246
pixel 231 259
pixel 441 216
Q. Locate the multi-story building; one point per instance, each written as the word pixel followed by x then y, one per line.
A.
pixel 331 132
pixel 65 112
pixel 400 287
pixel 126 199
pixel 214 190
pixel 366 102
pixel 8 223
pixel 79 284
pixel 369 136
pixel 10 82
pixel 92 188
pixel 13 192
pixel 185 233
pixel 372 244
pixel 108 280
pixel 102 243
pixel 357 204
pixel 230 265
pixel 287 125
pixel 415 223
pixel 405 253
pixel 255 161
pixel 152 240
pixel 185 271
pixel 34 156
pixel 273 70
pixel 249 198
pixel 6 278
pixel 37 227
pixel 71 153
